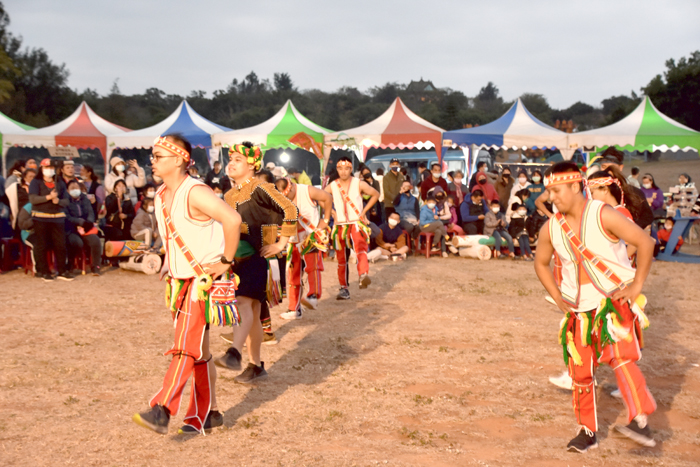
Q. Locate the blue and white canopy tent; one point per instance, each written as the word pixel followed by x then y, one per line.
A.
pixel 183 120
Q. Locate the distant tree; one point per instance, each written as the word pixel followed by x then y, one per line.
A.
pixel 386 94
pixel 618 107
pixel 677 93
pixel 489 103
pixel 538 106
pixel 283 82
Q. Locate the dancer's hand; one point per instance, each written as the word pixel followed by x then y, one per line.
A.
pixel 562 305
pixel 269 251
pixel 628 294
pixel 215 270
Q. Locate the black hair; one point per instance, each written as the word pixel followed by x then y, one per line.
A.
pixel 17 166
pixel 73 180
pixel 281 184
pixel 613 152
pixel 118 181
pixel 537 172
pixel 422 165
pixel 342 159
pixel 563 167
pixel 477 193
pixel 516 206
pixel 670 219
pixel 266 174
pixel 480 164
pixel 522 172
pixel 333 176
pixel 380 171
pixel 433 164
pixel 293 170
pixel 650 177
pixel 26 171
pixel 523 194
pixel 495 201
pixel 93 175
pixel 635 170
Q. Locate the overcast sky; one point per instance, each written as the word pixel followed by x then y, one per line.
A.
pixel 567 51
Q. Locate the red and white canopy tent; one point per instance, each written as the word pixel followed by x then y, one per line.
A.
pixel 82 129
pixel 398 127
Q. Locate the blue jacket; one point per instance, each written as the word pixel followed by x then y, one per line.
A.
pixel 427 215
pixel 406 205
pixel 467 207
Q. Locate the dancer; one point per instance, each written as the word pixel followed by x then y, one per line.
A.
pixel 263 210
pixel 350 230
pixel 600 295
pixel 201 234
pixel 307 245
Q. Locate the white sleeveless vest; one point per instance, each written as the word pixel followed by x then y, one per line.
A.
pixel 308 209
pixel 344 213
pixel 612 252
pixel 204 239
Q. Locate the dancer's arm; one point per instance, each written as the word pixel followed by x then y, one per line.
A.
pixel 325 200
pixel 203 203
pixel 543 256
pixel 617 225
pixel 270 197
pixel 539 203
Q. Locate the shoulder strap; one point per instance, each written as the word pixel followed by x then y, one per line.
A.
pixel 172 231
pixel 587 254
pixel 346 198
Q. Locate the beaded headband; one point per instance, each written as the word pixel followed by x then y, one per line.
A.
pixel 162 142
pixel 606 181
pixel 562 178
pixel 289 186
pixel 344 164
pixel 254 154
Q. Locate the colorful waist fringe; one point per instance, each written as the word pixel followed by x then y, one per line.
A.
pixel 340 236
pixel 615 324
pixel 219 308
pixel 566 334
pixel 275 294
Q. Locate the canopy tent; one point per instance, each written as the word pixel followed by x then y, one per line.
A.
pixel 517 128
pixel 644 129
pixel 82 129
pixel 274 132
pixel 183 120
pixel 398 127
pixel 9 126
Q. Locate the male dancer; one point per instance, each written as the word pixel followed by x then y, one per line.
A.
pixel 209 230
pixel 600 294
pixel 350 230
pixel 305 254
pixel 263 211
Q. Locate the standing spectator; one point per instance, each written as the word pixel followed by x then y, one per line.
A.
pixel 376 213
pixel 518 229
pixel 193 171
pixel 536 188
pixel 391 185
pixel 379 176
pixel 144 228
pixel 14 174
pixel 300 177
pixel 406 205
pixel 521 184
pixel 430 223
pixel 457 187
pixel 423 173
pixel 48 197
pixel 217 177
pixel 482 183
pixel 473 213
pixel 120 213
pixel 634 178
pixel 654 196
pixel 391 239
pixel 434 180
pixel 81 232
pixel 95 191
pixel 495 226
pixel 68 171
pixel 504 185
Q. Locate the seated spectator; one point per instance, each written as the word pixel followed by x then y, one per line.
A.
pixel 633 179
pixel 21 197
pixel 406 205
pixel 520 184
pixel 473 211
pixel 483 184
pixel 434 179
pixel 430 223
pixel 391 240
pixel 119 213
pixel 654 196
pixel 144 228
pixel 67 171
pixel 684 181
pixel 518 229
pixel 519 197
pixel 48 198
pixel 95 191
pixel 457 187
pixel 664 236
pixel 81 233
pixel 495 226
pixel 453 221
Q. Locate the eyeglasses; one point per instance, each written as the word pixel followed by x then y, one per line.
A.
pixel 155 158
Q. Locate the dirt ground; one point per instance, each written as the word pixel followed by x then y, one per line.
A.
pixel 440 362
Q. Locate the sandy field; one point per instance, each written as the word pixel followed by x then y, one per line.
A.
pixel 441 362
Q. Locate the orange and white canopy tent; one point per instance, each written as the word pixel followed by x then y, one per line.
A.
pixel 82 129
pixel 398 127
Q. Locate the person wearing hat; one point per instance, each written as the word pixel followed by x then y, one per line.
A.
pixel 642 213
pixel 48 197
pixel 134 176
pixel 392 185
pixel 68 171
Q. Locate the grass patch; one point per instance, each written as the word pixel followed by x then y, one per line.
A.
pixel 422 400
pixel 443 349
pixel 333 414
pixel 71 400
pixel 249 422
pixel 541 417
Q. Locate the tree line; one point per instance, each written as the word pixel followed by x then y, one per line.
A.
pixel 34 90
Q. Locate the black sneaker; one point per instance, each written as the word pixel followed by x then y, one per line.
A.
pixel 96 271
pixel 365 281
pixel 252 374
pixel 66 276
pixel 214 419
pixel 583 441
pixel 230 360
pixel 47 277
pixel 637 434
pixel 344 294
pixel 156 419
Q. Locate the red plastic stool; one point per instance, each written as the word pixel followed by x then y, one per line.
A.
pixel 8 263
pixel 425 250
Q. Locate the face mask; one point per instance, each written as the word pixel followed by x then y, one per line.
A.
pixel 458 181
pixel 48 172
pixel 393 222
pixel 395 169
pixel 496 210
pixel 120 168
pixel 536 179
pixel 506 176
pixel 522 180
pixel 367 176
pixel 646 185
pixel 481 181
pixel 431 205
pixel 150 209
pixel 437 174
pixel 220 195
pixel 668 226
pixel 75 193
pixel 522 213
pixel 150 194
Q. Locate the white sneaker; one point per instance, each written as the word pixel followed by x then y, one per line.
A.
pixel 563 381
pixel 292 315
pixel 310 302
pixel 444 254
pixel 616 393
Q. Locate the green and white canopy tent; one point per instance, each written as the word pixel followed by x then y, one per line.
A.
pixel 645 129
pixel 10 127
pixel 275 132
